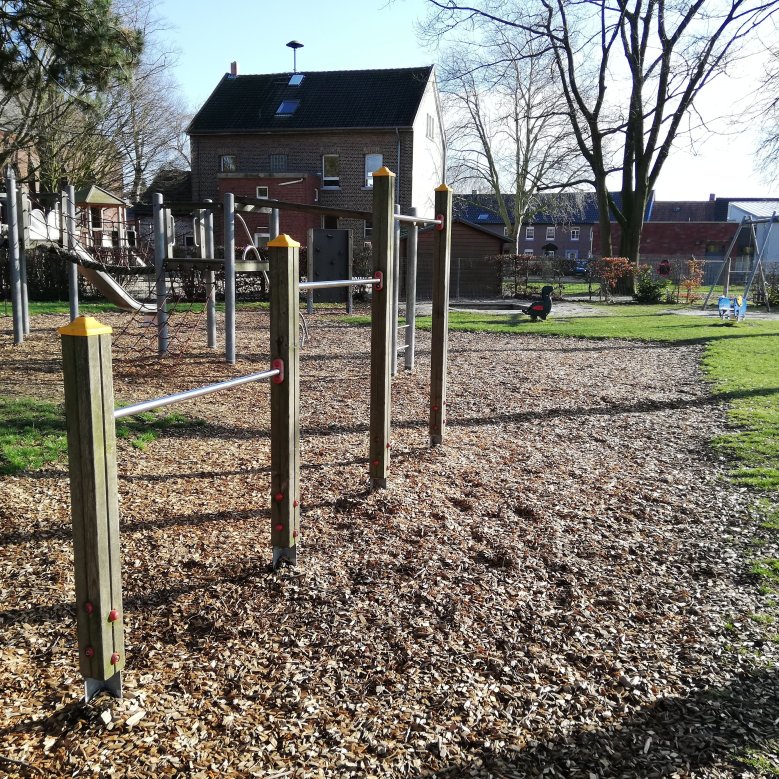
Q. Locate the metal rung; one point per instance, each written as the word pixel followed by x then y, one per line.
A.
pixel 342 283
pixel 193 393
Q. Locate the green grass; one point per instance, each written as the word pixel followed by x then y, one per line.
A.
pixel 32 432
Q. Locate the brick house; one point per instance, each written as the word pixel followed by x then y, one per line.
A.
pixel 559 225
pixel 316 138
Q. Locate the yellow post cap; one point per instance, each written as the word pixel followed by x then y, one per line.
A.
pixel 284 242
pixel 442 188
pixel 85 325
pixel 383 171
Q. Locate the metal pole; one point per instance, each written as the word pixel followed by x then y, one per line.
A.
pixel 68 214
pixel 24 242
pixel 411 294
pixel 13 255
pixel 211 304
pixel 163 337
pixel 167 400
pixel 396 290
pixel 229 221
pixel 310 271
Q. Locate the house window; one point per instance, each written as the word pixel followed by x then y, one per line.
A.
pixel 372 163
pixel 96 218
pixel 287 107
pixel 131 239
pixel 574 233
pixel 530 233
pixel 278 163
pixel 430 127
pixel 506 232
pixel 550 234
pixel 261 238
pixel 227 163
pixel 528 252
pixel 368 230
pixel 571 254
pixel 330 171
pixel 262 192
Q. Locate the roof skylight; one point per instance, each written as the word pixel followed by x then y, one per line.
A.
pixel 287 107
pixel 296 80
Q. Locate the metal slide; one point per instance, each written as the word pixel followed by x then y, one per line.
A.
pixel 110 288
pixel 46 229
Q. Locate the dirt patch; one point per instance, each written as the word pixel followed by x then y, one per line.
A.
pixel 558 589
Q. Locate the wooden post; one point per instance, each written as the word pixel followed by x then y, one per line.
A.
pixel 381 327
pixel 440 324
pixel 284 398
pixel 89 412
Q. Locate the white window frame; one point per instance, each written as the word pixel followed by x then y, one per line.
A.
pixel 225 166
pixel 571 254
pixel 371 167
pixel 96 220
pixel 262 194
pixel 530 233
pixel 331 182
pixel 261 237
pixel 367 231
pixel 550 233
pixel 575 232
pixel 528 252
pixel 430 128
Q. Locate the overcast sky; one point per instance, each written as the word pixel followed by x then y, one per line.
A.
pixel 360 34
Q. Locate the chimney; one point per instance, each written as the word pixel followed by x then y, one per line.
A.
pixel 233 68
pixel 712 197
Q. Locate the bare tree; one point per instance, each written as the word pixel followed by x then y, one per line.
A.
pixel 507 123
pixel 630 72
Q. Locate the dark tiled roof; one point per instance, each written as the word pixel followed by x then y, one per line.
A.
pixel 683 211
pixel 328 100
pixel 552 208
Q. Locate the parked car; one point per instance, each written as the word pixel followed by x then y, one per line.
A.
pixel 581 268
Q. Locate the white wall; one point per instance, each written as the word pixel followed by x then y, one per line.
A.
pixel 428 153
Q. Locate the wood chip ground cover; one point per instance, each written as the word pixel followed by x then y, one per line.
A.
pixel 559 590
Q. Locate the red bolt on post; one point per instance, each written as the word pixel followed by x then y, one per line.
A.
pixel 278 497
pixel 374 462
pixel 114 658
pixel 389 446
pixel 435 408
pixel 294 534
pixel 89 652
pixel 113 615
pixel 295 503
pixel 279 527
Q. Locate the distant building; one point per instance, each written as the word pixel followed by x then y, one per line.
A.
pixel 317 138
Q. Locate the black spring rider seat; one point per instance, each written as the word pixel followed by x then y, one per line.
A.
pixel 539 309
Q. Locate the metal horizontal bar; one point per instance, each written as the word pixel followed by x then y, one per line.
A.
pixel 420 220
pixel 343 283
pixel 148 405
